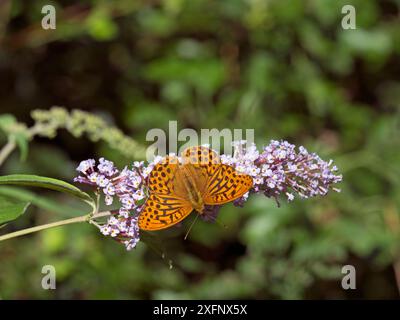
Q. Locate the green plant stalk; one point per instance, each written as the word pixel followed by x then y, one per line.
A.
pixel 85 218
pixel 6 151
pixel 10 146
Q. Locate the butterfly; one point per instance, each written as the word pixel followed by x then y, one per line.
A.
pixel 177 188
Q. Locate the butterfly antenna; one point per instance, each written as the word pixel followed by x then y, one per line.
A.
pixel 191 226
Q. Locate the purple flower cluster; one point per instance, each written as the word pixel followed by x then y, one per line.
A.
pixel 126 185
pixel 280 169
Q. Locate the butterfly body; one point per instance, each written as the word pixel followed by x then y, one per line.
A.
pixel 192 190
pixel 176 189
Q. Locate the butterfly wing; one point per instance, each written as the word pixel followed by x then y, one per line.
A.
pixel 202 163
pixel 163 211
pixel 200 156
pixel 164 207
pixel 162 176
pixel 218 183
pixel 226 185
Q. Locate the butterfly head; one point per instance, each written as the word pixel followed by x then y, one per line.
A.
pixel 198 205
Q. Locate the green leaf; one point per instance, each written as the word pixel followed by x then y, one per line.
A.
pixel 22 139
pixel 7 120
pixel 101 26
pixel 38 201
pixel 11 211
pixel 16 132
pixel 48 183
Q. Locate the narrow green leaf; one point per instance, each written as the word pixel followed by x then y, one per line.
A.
pixel 22 141
pixel 38 201
pixel 11 211
pixel 6 120
pixel 48 183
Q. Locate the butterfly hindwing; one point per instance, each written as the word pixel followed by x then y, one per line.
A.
pixel 162 211
pixel 226 185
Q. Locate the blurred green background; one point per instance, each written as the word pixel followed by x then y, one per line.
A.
pixel 285 68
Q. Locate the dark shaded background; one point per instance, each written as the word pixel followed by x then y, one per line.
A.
pixel 285 68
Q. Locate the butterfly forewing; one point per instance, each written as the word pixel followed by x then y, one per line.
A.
pixel 200 156
pixel 222 182
pixel 162 176
pixel 226 185
pixel 202 163
pixel 164 207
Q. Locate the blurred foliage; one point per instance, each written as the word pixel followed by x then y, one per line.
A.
pixel 285 68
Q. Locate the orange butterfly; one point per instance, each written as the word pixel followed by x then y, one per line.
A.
pixel 176 189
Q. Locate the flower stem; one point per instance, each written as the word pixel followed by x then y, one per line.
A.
pixel 7 150
pixel 10 146
pixel 84 218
